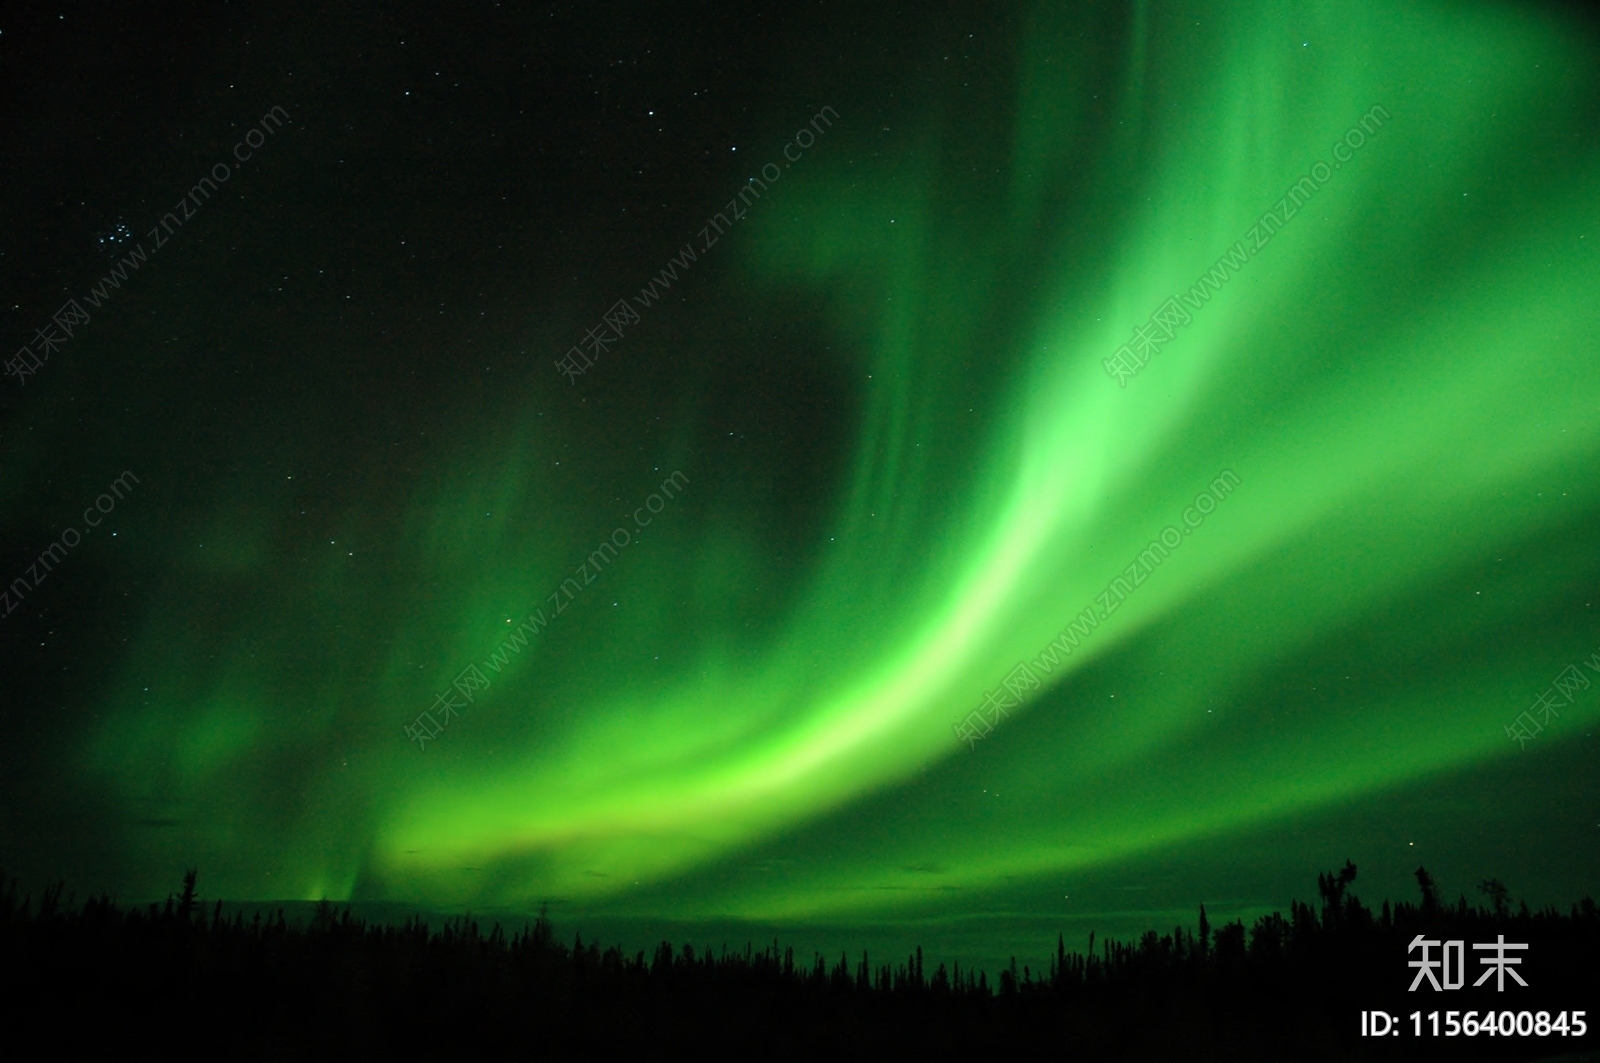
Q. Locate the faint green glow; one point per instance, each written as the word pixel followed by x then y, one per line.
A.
pixel 1396 379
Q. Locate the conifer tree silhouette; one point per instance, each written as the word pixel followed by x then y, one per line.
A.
pixel 1332 889
pixel 1498 896
pixel 186 903
pixel 1430 899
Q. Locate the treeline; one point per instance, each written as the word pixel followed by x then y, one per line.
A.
pixel 99 979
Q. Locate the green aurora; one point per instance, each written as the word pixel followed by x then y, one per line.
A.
pixel 750 713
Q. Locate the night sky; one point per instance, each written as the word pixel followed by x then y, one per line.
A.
pixel 864 473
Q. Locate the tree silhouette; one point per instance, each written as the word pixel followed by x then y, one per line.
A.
pixel 186 903
pixel 100 977
pixel 1498 895
pixel 1430 899
pixel 1332 889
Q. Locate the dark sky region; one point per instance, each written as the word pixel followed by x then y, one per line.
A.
pixel 867 474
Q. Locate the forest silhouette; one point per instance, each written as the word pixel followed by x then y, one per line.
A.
pixel 101 979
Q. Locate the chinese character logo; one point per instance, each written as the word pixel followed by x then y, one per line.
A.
pixel 1499 964
pixel 1427 965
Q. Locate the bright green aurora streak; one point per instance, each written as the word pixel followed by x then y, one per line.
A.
pixel 1402 380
